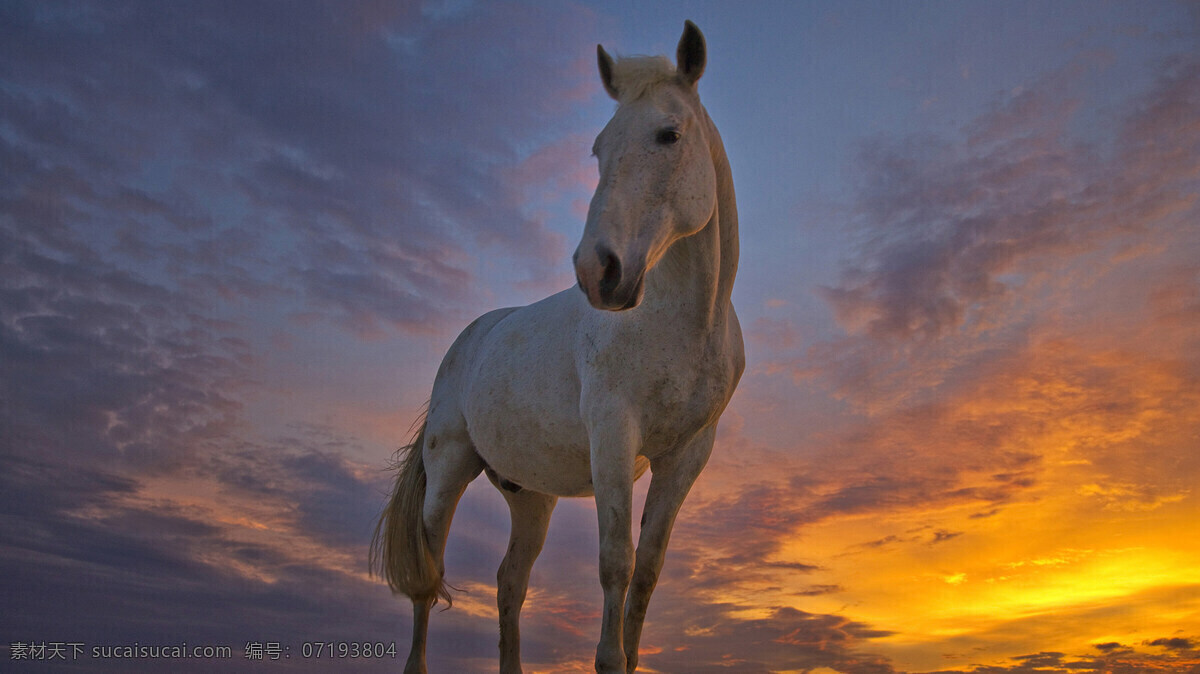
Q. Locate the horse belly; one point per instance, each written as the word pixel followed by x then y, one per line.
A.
pixel 538 445
pixel 537 460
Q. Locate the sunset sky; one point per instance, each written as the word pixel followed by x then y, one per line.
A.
pixel 237 237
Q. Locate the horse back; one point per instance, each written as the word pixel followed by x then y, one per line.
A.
pixel 460 358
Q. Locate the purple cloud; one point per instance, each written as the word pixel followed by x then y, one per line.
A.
pixel 147 140
pixel 951 229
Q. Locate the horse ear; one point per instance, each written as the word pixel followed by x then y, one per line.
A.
pixel 606 70
pixel 691 53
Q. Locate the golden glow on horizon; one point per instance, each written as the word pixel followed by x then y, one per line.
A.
pixel 1004 580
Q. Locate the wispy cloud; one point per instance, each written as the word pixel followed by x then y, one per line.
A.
pixel 281 178
pixel 951 229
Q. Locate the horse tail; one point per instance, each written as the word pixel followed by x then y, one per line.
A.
pixel 399 549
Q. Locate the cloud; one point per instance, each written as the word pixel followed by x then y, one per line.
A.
pixel 101 365
pixel 714 637
pixel 1016 289
pixel 951 229
pixel 1174 644
pixel 147 141
pixel 263 542
pixel 1114 657
pixel 96 560
pixel 1131 498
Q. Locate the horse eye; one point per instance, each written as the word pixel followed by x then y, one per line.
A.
pixel 668 136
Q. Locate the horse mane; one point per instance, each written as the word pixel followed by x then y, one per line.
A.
pixel 635 76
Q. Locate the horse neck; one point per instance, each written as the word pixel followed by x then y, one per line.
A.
pixel 726 217
pixel 697 274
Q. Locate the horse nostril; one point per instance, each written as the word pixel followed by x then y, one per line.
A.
pixel 612 270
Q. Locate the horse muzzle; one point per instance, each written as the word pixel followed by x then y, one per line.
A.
pixel 608 284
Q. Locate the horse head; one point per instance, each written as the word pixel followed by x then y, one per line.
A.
pixel 657 180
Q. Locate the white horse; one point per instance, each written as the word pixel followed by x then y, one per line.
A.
pixel 579 393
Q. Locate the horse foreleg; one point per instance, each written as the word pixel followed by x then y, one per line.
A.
pixel 530 513
pixel 614 447
pixel 672 479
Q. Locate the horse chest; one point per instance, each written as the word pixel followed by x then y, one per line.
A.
pixel 673 386
pixel 679 405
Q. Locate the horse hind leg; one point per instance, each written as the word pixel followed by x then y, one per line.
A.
pixel 530 514
pixel 410 538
